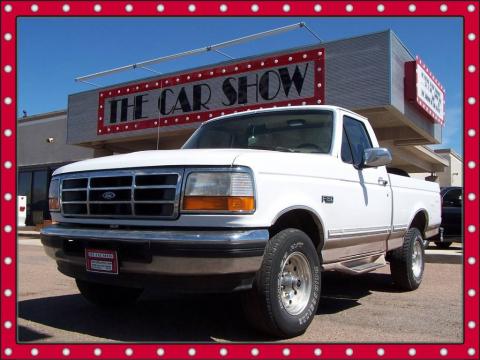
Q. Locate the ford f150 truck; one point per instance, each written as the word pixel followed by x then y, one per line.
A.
pixel 261 201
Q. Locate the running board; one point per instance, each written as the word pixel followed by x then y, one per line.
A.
pixel 358 266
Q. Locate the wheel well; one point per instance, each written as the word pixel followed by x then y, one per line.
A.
pixel 420 222
pixel 303 220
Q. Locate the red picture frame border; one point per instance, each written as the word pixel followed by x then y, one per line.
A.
pixel 467 10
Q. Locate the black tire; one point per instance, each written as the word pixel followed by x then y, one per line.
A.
pixel 263 304
pixel 401 263
pixel 443 245
pixel 107 295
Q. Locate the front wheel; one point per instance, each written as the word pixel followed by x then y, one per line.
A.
pixel 407 263
pixel 107 295
pixel 286 291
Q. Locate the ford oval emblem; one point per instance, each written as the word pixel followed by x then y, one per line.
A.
pixel 108 195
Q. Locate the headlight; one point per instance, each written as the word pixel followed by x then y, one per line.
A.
pixel 224 191
pixel 54 195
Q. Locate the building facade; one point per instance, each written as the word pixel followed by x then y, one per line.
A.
pixel 452 175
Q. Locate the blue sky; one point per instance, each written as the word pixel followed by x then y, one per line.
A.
pixel 53 51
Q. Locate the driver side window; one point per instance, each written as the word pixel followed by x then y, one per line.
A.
pixel 357 136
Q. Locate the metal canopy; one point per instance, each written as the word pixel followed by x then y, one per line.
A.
pixel 215 47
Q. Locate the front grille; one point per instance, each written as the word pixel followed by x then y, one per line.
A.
pixel 143 193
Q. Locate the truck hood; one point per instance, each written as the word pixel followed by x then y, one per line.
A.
pixel 182 157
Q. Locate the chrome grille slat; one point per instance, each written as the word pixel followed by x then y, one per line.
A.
pixel 165 195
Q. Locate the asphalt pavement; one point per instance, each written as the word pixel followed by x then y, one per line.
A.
pixel 364 308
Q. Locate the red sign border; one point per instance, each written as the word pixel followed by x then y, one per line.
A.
pixel 411 92
pixel 10 348
pixel 269 62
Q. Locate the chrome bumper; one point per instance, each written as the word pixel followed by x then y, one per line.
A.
pixel 172 252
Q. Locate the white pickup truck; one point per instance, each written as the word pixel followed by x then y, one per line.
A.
pixel 261 201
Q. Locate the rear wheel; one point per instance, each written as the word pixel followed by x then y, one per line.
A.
pixel 286 290
pixel 443 245
pixel 107 295
pixel 407 263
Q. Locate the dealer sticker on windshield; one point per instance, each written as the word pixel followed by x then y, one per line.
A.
pixel 101 261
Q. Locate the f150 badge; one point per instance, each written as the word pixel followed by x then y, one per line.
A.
pixel 327 199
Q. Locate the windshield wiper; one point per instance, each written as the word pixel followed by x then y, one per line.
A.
pixel 277 148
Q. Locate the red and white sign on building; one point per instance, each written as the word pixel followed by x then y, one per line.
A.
pixel 279 80
pixel 425 90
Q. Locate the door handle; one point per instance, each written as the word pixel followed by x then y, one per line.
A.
pixel 381 181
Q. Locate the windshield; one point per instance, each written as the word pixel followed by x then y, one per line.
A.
pixel 299 131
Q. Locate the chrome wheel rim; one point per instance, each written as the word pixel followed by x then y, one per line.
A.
pixel 417 259
pixel 295 283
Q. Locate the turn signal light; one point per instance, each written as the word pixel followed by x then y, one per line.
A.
pixel 53 204
pixel 219 203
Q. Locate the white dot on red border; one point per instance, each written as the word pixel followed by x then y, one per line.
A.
pixel 286 352
pixel 7 100
pixel 7 36
pixel 192 8
pixel 471 100
pixel 349 7
pixel 286 8
pixel 7 292
pixel 129 8
pixel 471 68
pixel 129 352
pixel 380 8
pixel 471 132
pixel 443 352
pixel 66 8
pixel 7 132
pixel 7 164
pixel 471 260
pixel 97 8
pixel 443 7
pixel 66 352
pixel 317 8
pixel 7 351
pixel 380 352
pixel 223 352
pixel 255 352
pixel 34 7
pixel 8 8
pixel 7 196
pixel 412 7
pixel 471 8
pixel 97 352
pixel 223 8
pixel 160 352
pixel 34 352
pixel 471 351
pixel 160 8
pixel 412 352
pixel 8 260
pixel 8 228
pixel 471 292
pixel 255 8
pixel 349 352
pixel 471 324
pixel 471 228
pixel 317 352
pixel 7 68
pixel 192 352
pixel 471 36
pixel 471 164
pixel 8 324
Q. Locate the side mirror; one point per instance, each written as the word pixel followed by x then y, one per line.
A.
pixel 374 157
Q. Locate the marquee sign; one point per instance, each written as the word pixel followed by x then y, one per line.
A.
pixel 287 79
pixel 425 90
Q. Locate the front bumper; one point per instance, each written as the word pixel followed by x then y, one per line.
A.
pixel 150 255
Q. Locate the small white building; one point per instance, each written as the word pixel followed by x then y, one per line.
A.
pixel 452 175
